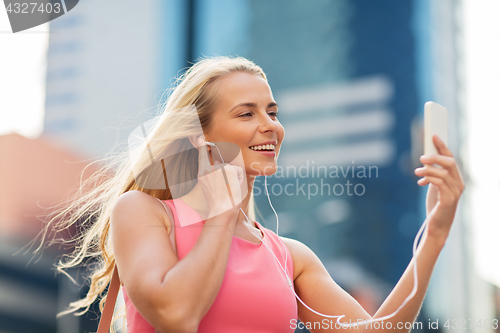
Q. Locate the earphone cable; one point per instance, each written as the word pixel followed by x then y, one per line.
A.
pixel 339 317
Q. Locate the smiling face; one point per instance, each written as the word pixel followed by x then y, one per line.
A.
pixel 246 114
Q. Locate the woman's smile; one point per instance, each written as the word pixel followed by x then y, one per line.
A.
pixel 266 153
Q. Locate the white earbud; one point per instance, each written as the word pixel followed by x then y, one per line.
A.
pixel 207 142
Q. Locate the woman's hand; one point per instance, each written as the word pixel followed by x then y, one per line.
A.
pixel 220 183
pixel 446 187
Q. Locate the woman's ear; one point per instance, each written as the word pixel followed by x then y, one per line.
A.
pixel 198 141
pixel 193 139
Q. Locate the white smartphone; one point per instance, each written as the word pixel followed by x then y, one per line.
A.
pixel 435 123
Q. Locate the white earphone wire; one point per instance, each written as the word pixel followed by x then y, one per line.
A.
pixel 290 283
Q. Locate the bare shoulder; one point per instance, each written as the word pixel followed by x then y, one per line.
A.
pixel 303 257
pixel 133 206
pixel 141 243
pixel 297 248
pixel 133 199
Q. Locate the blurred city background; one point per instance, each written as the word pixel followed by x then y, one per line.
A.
pixel 351 78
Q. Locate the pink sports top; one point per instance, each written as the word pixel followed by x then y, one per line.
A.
pixel 254 295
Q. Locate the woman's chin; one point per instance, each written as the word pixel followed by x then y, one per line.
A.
pixel 262 169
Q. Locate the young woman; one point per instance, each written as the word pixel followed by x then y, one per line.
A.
pixel 194 262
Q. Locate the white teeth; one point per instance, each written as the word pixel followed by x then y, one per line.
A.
pixel 264 147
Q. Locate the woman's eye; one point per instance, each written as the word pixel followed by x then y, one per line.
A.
pixel 249 114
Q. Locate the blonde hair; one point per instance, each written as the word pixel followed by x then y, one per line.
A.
pixel 89 210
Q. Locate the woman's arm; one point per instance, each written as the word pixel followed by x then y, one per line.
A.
pixel 448 187
pixel 172 295
pixel 175 295
pixel 317 289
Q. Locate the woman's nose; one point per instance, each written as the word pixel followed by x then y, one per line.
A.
pixel 268 124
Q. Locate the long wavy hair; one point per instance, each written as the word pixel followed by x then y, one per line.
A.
pixel 89 209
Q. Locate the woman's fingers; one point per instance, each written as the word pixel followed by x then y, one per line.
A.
pixel 447 196
pixel 447 178
pixel 220 182
pixel 241 174
pixel 441 147
pixel 432 171
pixel 445 160
pixel 204 165
pixel 439 182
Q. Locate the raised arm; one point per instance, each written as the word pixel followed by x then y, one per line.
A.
pixel 317 289
pixel 449 186
pixel 172 295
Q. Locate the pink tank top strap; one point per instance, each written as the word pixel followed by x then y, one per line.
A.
pixel 185 237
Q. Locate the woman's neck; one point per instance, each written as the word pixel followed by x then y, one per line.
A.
pixel 196 200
